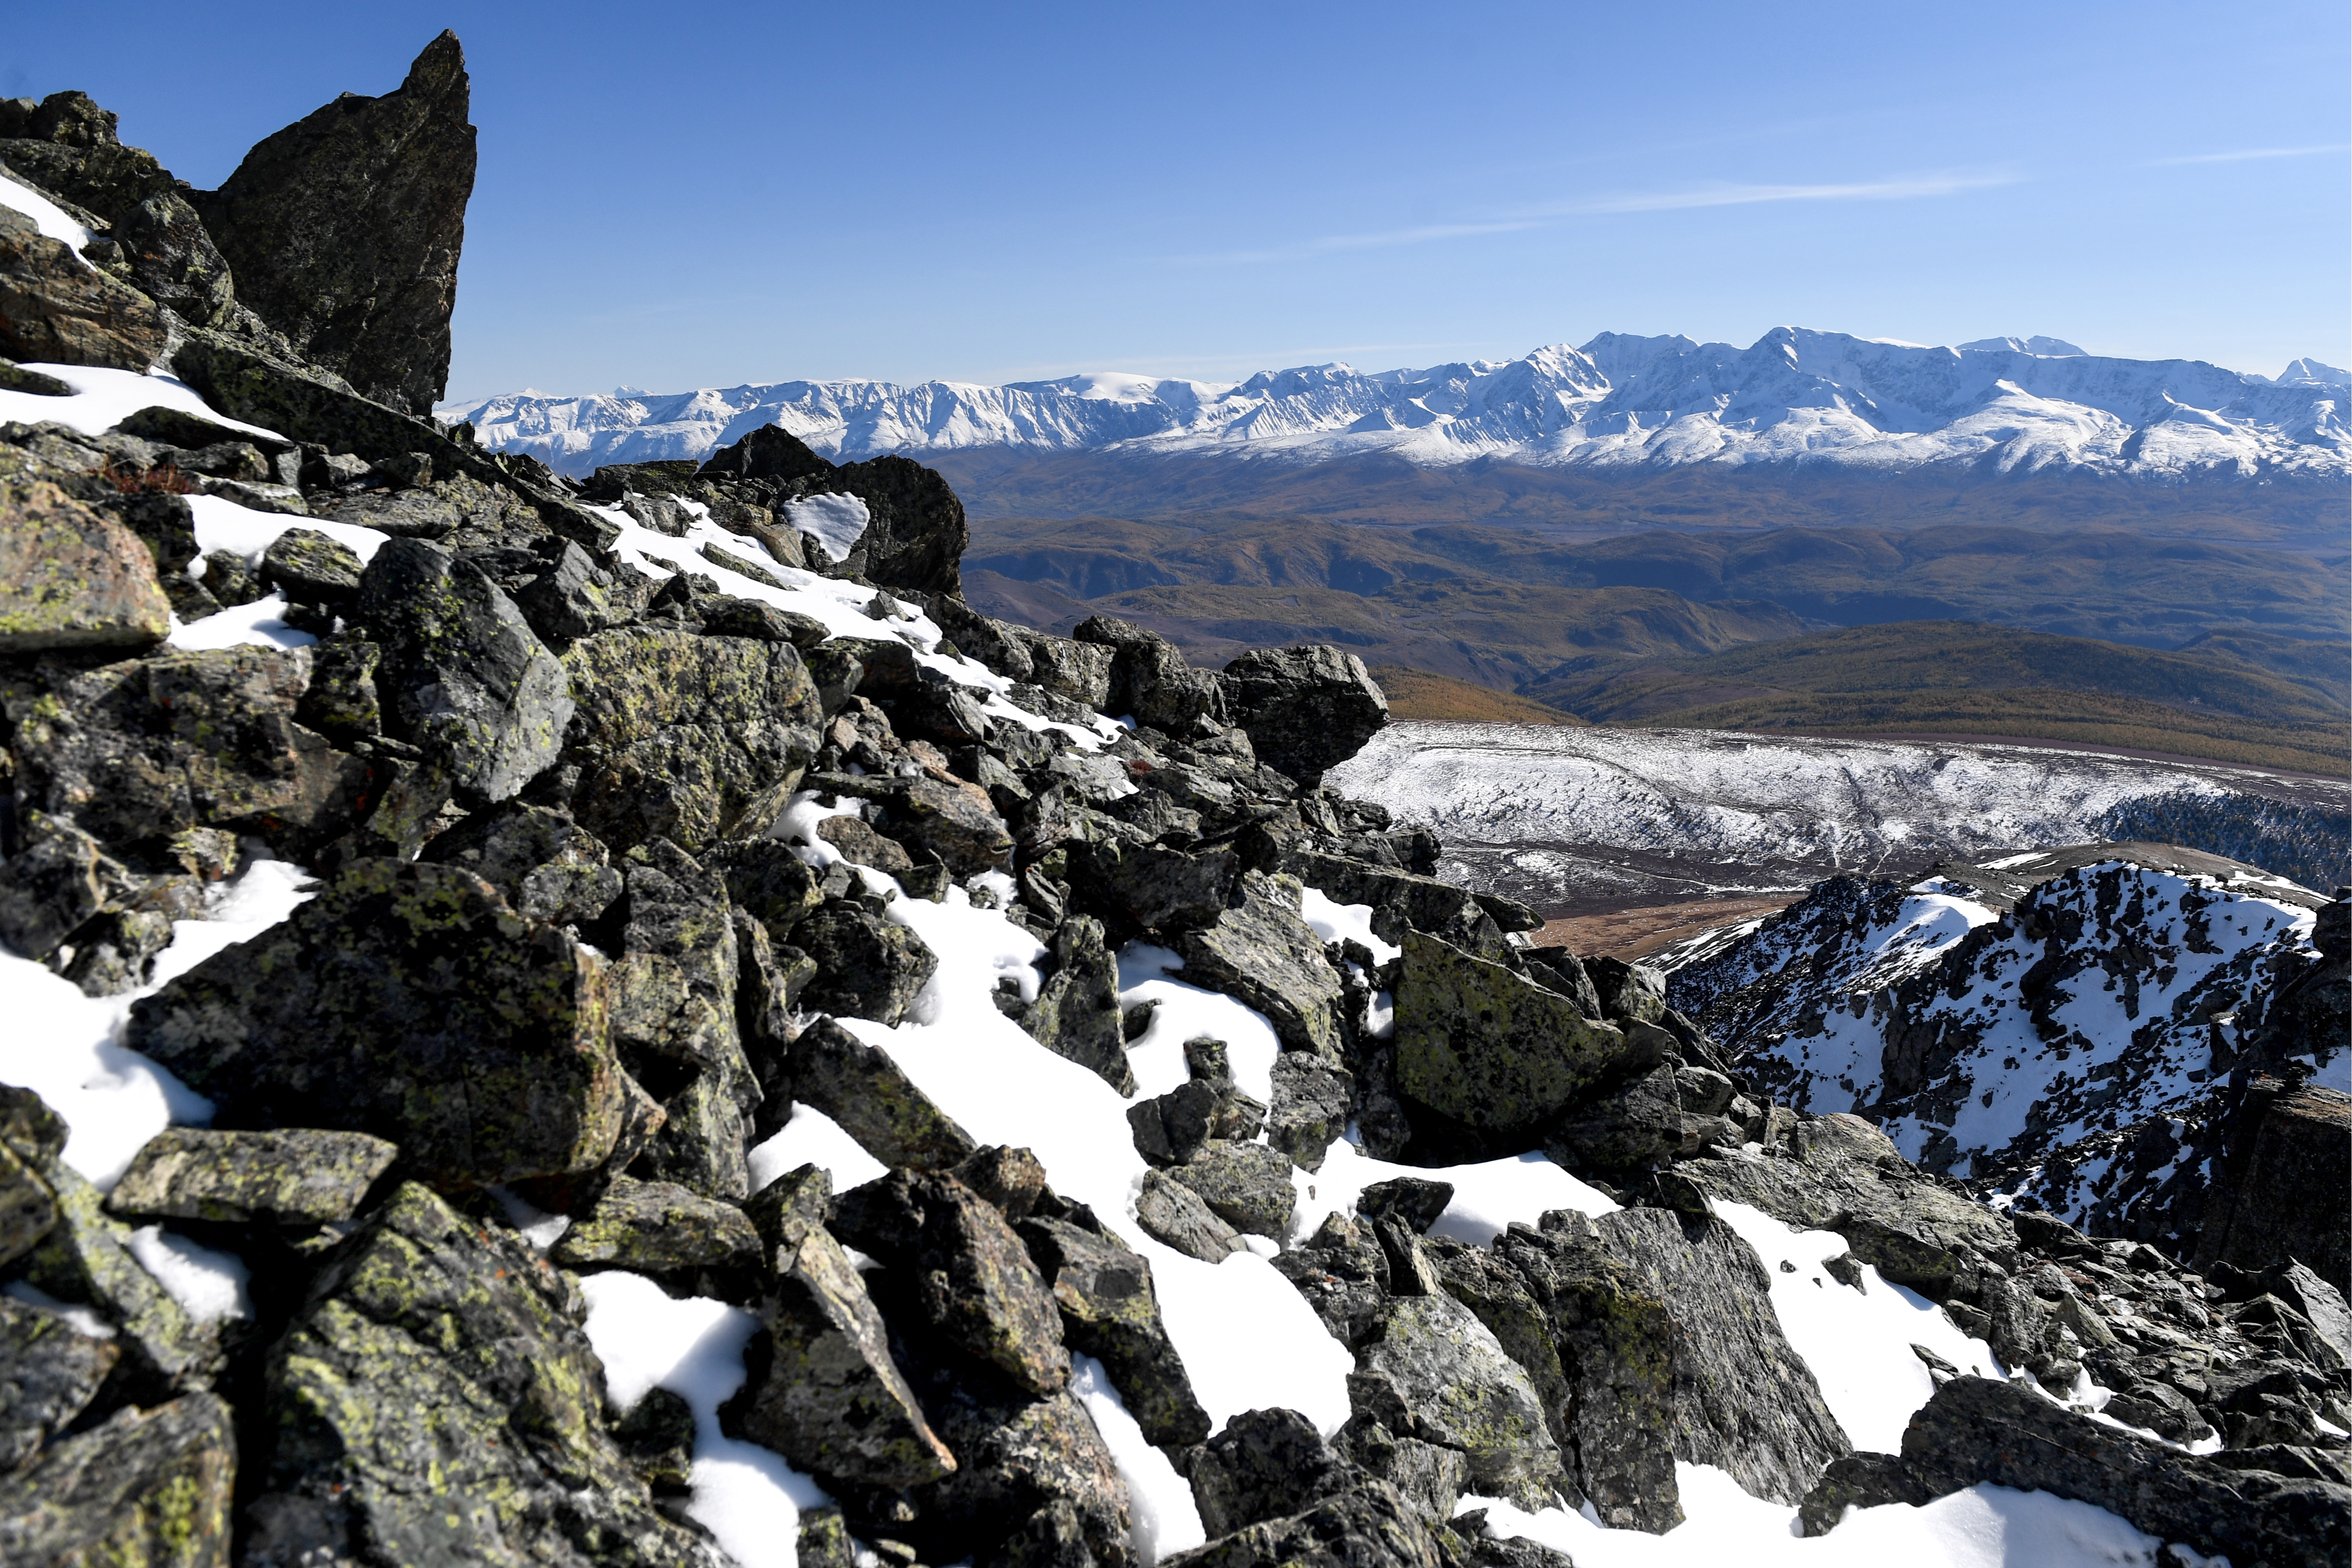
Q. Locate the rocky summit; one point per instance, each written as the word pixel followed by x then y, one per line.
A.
pixel 621 1021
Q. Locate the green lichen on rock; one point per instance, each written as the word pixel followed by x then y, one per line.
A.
pixel 72 576
pixel 410 1002
pixel 658 1227
pixel 148 1488
pixel 56 309
pixel 1262 954
pixel 304 1177
pixel 686 737
pixel 437 1401
pixel 1492 1049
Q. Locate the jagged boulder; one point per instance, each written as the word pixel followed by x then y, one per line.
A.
pixel 1262 953
pixel 70 576
pixel 873 1100
pixel 868 966
pixel 2285 1144
pixel 658 1228
pixel 343 229
pixel 146 1487
pixel 53 1369
pixel 56 309
pixel 1265 1465
pixel 1368 1523
pixel 1466 1395
pixel 407 1001
pixel 436 1391
pixel 1172 1213
pixel 299 1177
pixel 1488 1050
pixel 1305 709
pixel 86 1260
pixel 1076 1013
pixel 1110 1311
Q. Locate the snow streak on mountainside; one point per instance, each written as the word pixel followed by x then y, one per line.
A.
pixel 1796 397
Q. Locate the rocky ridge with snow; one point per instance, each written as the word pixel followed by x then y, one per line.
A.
pixel 624 1023
pixel 1794 399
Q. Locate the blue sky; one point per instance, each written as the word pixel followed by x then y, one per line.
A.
pixel 706 195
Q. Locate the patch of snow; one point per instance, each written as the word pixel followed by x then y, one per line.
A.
pixel 838 522
pixel 746 1496
pixel 84 1321
pixel 261 622
pixel 1186 1012
pixel 811 1138
pixel 538 1226
pixel 1162 1516
pixel 1487 1196
pixel 1336 921
pixel 51 219
pixel 209 1285
pixel 1983 1527
pixel 223 524
pixel 66 1047
pixel 104 398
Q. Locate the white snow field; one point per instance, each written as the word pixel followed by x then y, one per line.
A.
pixel 1247 1338
pixel 1794 396
pixel 1562 816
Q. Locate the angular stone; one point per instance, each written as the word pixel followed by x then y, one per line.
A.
pixel 1076 1013
pixel 861 845
pixel 1110 1311
pixel 570 599
pixel 955 822
pixel 466 677
pixel 313 568
pixel 343 229
pixel 831 1400
pixel 1262 954
pixel 141 750
pixel 1636 1127
pixel 1247 1185
pixel 1265 1464
pixel 690 738
pixel 1493 1050
pixel 655 1227
pixel 1172 1213
pixel 410 1002
pixel 2283 1144
pixel 974 1283
pixel 1369 1525
pixel 72 576
pixel 867 967
pixel 436 1400
pixel 862 1089
pixel 28 1209
pixel 48 1372
pixel 56 309
pixel 1465 1394
pixel 1305 709
pixel 1150 887
pixel 146 1487
pixel 302 1176
pixel 1977 1430
pixel 85 1261
pixel 1311 1101
pixel 549 867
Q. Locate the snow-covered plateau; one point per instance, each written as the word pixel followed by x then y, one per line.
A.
pixel 1796 397
pixel 1578 819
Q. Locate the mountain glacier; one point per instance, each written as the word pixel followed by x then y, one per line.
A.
pixel 1796 397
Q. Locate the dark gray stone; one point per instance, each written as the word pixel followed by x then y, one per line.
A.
pixel 301 1176
pixel 1307 709
pixel 1247 1185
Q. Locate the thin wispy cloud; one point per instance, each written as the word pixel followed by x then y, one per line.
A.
pixel 2249 155
pixel 1735 196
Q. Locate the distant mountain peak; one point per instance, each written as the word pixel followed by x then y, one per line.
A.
pixel 2044 347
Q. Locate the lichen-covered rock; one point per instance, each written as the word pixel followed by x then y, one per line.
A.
pixel 465 677
pixel 48 1371
pixel 343 229
pixel 140 750
pixel 1150 680
pixel 830 1398
pixel 876 1103
pixel 1311 1101
pixel 1369 1525
pixel 1135 886
pixel 407 1001
pixel 1494 1051
pixel 955 821
pixel 85 1261
pixel 1109 1312
pixel 975 1284
pixel 1467 1394
pixel 1635 1126
pixel 146 1488
pixel 1265 1464
pixel 688 737
pixel 659 1228
pixel 1262 954
pixel 1305 709
pixel 1076 1013
pixel 549 867
pixel 1247 1185
pixel 313 568
pixel 1172 1213
pixel 28 1209
pixel 436 1400
pixel 301 1176
pixel 2283 1145
pixel 867 967
pixel 56 309
pixel 70 576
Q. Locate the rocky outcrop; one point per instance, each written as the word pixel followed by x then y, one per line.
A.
pixel 1305 709
pixel 56 309
pixel 72 577
pixel 343 231
pixel 2283 1145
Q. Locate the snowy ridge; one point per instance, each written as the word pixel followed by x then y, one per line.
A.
pixel 1795 397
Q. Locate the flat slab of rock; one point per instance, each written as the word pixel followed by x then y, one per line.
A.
pixel 1491 1049
pixel 301 1176
pixel 658 1227
pixel 1172 1213
pixel 874 1100
pixel 1247 1185
pixel 410 1002
pixel 143 1486
pixel 57 309
pixel 72 576
pixel 1262 954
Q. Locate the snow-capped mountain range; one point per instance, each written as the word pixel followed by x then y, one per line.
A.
pixel 1795 397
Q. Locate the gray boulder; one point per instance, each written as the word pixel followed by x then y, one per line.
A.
pixel 72 576
pixel 50 1370
pixel 54 308
pixel 1262 954
pixel 1311 1100
pixel 867 967
pixel 1172 1213
pixel 876 1103
pixel 410 1002
pixel 1306 710
pixel 658 1228
pixel 1247 1185
pixel 1265 1465
pixel 1368 1525
pixel 1465 1394
pixel 301 1176
pixel 1110 1311
pixel 143 1486
pixel 1076 1013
